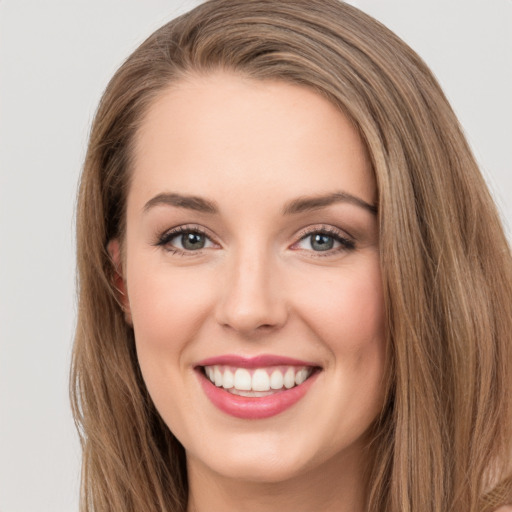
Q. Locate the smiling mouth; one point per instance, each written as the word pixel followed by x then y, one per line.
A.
pixel 257 382
pixel 254 388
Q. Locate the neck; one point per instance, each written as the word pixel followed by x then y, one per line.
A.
pixel 336 485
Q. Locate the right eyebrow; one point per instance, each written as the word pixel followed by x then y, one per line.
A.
pixel 195 203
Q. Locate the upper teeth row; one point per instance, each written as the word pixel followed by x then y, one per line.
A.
pixel 261 379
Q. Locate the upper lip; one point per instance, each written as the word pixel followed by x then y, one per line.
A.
pixel 254 362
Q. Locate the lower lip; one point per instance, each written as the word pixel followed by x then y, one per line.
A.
pixel 253 408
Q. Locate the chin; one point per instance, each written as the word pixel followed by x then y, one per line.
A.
pixel 260 470
pixel 261 459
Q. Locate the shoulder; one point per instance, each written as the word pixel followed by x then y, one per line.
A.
pixel 506 508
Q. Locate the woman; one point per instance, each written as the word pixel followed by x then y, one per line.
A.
pixel 295 292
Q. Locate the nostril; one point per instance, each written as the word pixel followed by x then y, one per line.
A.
pixel 251 319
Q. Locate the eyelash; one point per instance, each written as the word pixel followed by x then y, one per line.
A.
pixel 346 244
pixel 167 236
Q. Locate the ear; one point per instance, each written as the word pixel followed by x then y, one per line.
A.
pixel 114 249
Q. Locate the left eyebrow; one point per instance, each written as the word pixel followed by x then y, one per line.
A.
pixel 306 204
pixel 182 201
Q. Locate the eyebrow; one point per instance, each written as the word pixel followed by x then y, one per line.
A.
pixel 306 204
pixel 195 203
pixel 299 205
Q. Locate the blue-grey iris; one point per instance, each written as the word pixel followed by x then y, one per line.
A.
pixel 321 242
pixel 191 241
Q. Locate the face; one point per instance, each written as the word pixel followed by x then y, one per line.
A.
pixel 252 277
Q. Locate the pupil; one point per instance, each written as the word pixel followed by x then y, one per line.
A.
pixel 192 241
pixel 322 242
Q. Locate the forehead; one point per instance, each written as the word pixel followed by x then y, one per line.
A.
pixel 216 133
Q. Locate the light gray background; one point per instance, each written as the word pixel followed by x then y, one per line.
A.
pixel 56 57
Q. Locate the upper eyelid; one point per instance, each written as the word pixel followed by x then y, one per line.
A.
pixel 186 228
pixel 325 228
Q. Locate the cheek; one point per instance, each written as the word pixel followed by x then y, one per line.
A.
pixel 167 306
pixel 350 321
pixel 347 309
pixel 346 314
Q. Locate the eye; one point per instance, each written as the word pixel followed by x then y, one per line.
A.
pixel 190 241
pixel 183 240
pixel 321 241
pixel 327 240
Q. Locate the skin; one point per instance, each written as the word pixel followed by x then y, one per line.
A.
pixel 258 286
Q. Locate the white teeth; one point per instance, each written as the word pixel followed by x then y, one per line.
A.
pixel 301 376
pixel 229 380
pixel 217 375
pixel 257 382
pixel 289 378
pixel 260 381
pixel 243 380
pixel 276 380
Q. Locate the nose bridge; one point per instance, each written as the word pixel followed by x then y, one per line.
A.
pixel 251 296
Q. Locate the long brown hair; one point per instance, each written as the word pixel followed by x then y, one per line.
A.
pixel 443 440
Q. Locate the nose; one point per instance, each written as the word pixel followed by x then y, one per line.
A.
pixel 252 300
